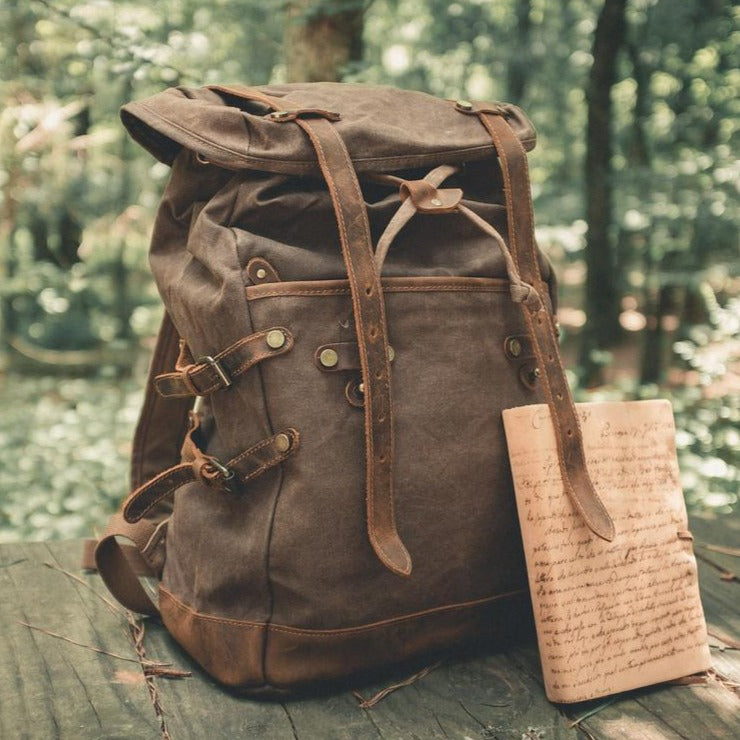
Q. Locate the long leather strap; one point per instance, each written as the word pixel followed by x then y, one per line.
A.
pixel 369 312
pixel 541 328
pixel 372 337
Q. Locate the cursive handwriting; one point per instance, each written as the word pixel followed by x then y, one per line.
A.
pixel 610 616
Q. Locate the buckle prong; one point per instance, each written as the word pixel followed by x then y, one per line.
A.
pixel 217 367
pixel 226 473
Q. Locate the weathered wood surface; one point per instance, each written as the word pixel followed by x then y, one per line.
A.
pixel 52 688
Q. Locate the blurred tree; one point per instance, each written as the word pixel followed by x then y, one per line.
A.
pixel 321 38
pixel 602 286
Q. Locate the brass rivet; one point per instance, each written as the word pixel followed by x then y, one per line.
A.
pixel 465 105
pixel 436 202
pixel 275 339
pixel 361 388
pixel 515 347
pixel 391 353
pixel 282 442
pixel 261 273
pixel 534 374
pixel 329 357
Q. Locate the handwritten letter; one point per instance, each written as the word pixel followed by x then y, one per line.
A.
pixel 610 616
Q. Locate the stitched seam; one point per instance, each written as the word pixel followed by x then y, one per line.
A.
pixel 285 290
pixel 408 289
pixel 321 634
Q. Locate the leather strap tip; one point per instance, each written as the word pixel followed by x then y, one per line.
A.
pixel 603 526
pixel 395 557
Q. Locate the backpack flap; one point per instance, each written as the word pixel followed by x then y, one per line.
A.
pixel 415 129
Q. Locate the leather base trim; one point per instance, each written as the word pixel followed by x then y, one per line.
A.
pixel 231 649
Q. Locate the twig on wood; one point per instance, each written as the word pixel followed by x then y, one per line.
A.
pixel 724 574
pixel 734 551
pixel 373 700
pixel 152 663
pixel 113 607
pixel 730 642
pixel 590 713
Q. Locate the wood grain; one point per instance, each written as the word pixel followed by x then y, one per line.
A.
pixel 50 688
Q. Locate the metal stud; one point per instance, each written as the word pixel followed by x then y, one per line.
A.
pixel 436 202
pixel 361 388
pixel 514 347
pixel 464 105
pixel 329 357
pixel 391 353
pixel 282 442
pixel 534 375
pixel 275 339
pixel 261 273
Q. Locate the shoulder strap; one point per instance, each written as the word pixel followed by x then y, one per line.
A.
pixel 161 429
pixel 163 422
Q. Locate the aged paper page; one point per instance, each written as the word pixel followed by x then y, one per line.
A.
pixel 610 616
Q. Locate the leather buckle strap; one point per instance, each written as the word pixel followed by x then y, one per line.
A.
pixel 197 465
pixel 540 324
pixel 209 373
pixel 372 337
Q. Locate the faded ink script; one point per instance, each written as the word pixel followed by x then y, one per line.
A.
pixel 617 615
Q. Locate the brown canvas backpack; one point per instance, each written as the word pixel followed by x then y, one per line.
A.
pixel 353 294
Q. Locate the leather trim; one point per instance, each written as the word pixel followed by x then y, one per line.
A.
pixel 441 283
pixel 230 649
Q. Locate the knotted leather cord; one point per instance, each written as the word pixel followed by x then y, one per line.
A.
pixel 541 328
pixel 406 211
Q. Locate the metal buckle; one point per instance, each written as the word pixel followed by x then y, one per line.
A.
pixel 218 369
pixel 225 472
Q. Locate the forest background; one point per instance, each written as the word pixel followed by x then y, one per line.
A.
pixel 635 186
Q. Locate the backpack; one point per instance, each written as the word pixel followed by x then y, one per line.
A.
pixel 353 293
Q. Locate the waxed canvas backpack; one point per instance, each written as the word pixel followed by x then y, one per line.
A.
pixel 353 293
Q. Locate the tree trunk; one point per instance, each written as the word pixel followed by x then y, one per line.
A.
pixel 321 38
pixel 602 291
pixel 520 61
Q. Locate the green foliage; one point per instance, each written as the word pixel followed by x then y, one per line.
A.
pixel 77 199
pixel 65 444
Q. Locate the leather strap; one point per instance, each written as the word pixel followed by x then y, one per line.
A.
pixel 372 337
pixel 369 312
pixel 209 374
pixel 114 563
pixel 162 423
pixel 541 328
pixel 197 465
pixel 406 211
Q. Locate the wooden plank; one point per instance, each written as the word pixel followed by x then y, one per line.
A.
pixel 50 688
